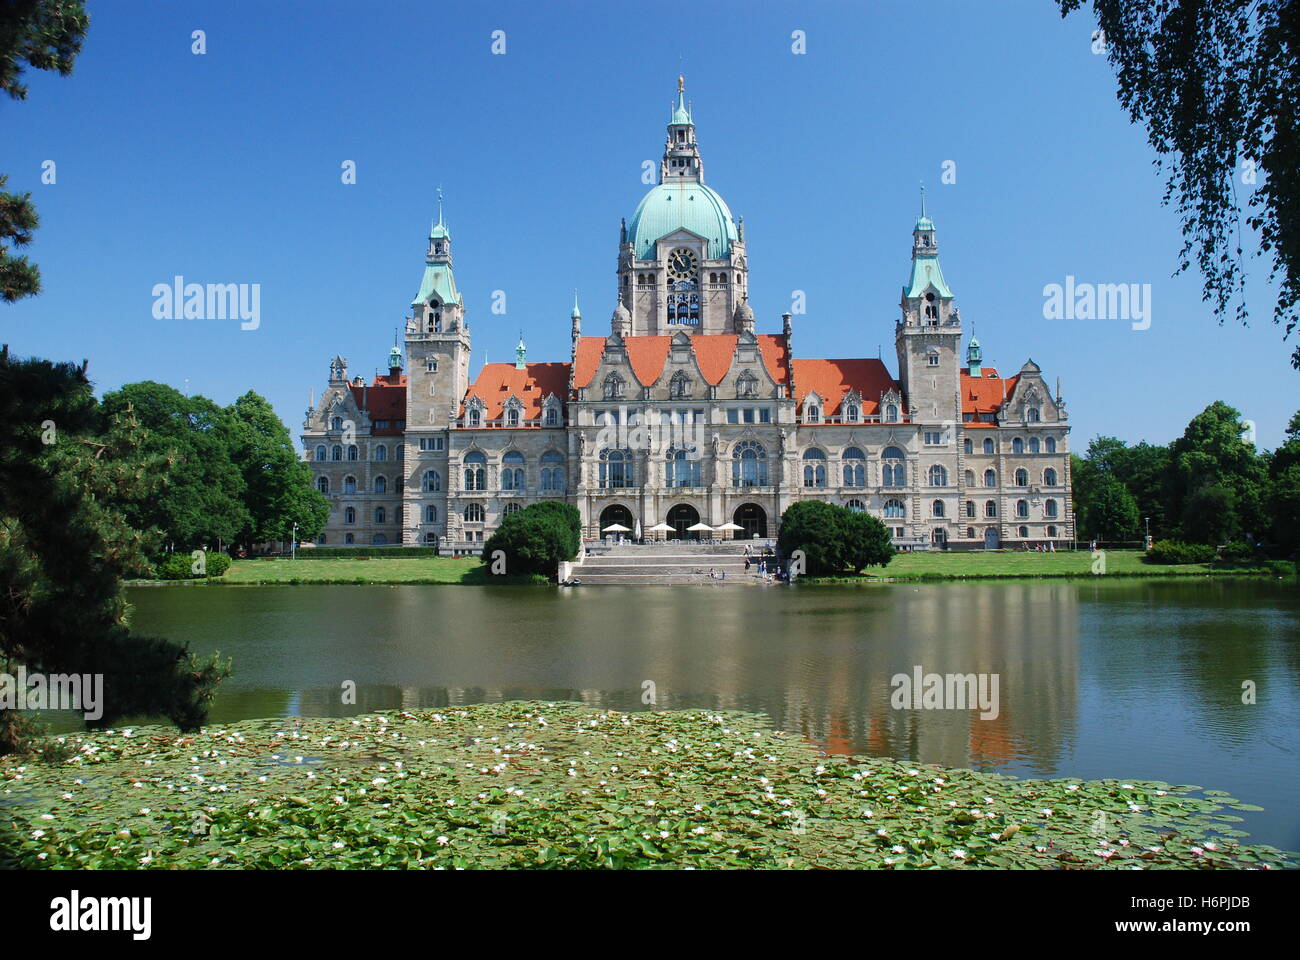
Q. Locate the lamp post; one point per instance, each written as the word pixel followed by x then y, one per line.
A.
pixel 1146 542
pixel 293 544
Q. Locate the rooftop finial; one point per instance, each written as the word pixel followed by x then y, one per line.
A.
pixel 577 314
pixel 923 198
pixel 440 223
pixel 681 83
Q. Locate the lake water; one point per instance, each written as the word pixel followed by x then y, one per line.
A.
pixel 1097 679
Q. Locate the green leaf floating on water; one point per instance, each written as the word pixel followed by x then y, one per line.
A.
pixel 560 785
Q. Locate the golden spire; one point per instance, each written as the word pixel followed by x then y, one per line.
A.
pixel 681 83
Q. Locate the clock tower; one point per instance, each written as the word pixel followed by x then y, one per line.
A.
pixel 681 263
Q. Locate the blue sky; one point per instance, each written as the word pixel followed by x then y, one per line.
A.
pixel 225 168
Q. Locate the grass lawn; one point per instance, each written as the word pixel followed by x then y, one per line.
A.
pixel 376 570
pixel 1079 563
pixel 547 785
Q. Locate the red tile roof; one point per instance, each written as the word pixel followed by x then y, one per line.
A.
pixel 498 382
pixel 384 399
pixel 831 380
pixel 984 395
pixel 713 352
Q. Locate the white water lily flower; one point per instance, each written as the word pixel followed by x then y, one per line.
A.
pixel 443 841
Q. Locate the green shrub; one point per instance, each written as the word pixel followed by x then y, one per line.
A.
pixel 218 563
pixel 833 538
pixel 177 566
pixel 1237 552
pixel 1175 551
pixel 536 539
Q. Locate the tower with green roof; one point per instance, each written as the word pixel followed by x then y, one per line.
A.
pixel 437 343
pixel 682 265
pixel 928 334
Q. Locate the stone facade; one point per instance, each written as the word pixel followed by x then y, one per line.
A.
pixel 683 413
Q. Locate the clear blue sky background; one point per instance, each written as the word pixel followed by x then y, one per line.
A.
pixel 226 168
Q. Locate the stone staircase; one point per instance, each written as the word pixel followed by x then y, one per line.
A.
pixel 673 562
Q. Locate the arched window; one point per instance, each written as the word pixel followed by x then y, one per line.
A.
pixel 988 444
pixel 938 476
pixel 968 445
pixel 749 464
pixel 381 485
pixel 616 468
pixel 857 506
pixel 990 478
pixel 552 417
pixel 683 467
pixel 990 508
pixel 970 478
pixel 894 509
pixel 349 484
pixel 320 451
pixel 475 471
pixel 379 540
pixel 336 452
pixel 1049 509
pixel 1024 532
pixel 431 482
pixel 512 417
pixel 510 508
pixel 1033 445
pixel 552 470
pixel 892 470
pixel 937 508
pixel 512 471
pixel 1051 532
pixel 812 413
pixel 379 515
pixel 1022 477
pixel 1017 445
pixel 1049 477
pixel 475 416
pixel 891 413
pixel 381 452
pixel 1022 508
pixel 814 468
pixel 613 387
pixel 855 467
pixel 349 539
pixel 336 423
pixel 323 484
pixel 430 514
pixel 1051 444
pixel 474 513
pixel 350 515
pixel 1033 415
pixel 352 451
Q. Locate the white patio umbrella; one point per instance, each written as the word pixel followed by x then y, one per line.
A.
pixel 637 533
pixel 731 526
pixel 700 527
pixel 616 528
pixel 660 527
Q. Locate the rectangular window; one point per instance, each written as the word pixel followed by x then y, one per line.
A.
pixel 933 438
pixel 764 415
pixel 749 414
pixel 733 416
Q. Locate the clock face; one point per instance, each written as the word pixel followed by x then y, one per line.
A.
pixel 682 264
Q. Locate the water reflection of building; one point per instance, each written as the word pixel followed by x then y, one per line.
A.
pixel 817 660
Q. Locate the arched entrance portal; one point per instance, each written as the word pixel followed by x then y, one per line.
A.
pixel 616 513
pixel 991 538
pixel 679 518
pixel 753 518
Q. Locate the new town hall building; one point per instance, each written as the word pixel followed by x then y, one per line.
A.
pixel 682 412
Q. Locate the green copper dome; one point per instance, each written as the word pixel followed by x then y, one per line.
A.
pixel 682 205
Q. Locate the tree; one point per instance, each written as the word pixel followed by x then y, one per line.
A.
pixel 866 541
pixel 536 539
pixel 1217 85
pixel 1284 508
pixel 1110 512
pixel 45 35
pixel 278 488
pixel 64 550
pixel 1212 453
pixel 201 502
